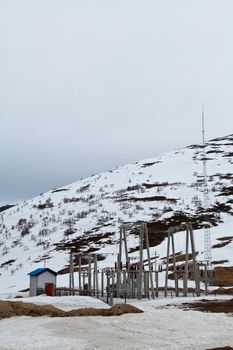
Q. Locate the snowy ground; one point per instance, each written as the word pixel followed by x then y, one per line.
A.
pixel 157 328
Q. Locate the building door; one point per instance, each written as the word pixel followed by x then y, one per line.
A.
pixel 49 289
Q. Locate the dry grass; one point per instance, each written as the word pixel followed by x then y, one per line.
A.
pixel 12 308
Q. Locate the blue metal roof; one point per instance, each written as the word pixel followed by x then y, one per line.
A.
pixel 37 272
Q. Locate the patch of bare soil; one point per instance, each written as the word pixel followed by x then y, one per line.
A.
pixel 222 244
pixel 150 164
pixel 223 276
pixel 222 291
pixel 225 306
pixel 219 262
pixel 149 199
pixel 222 348
pixel 225 238
pixel 12 308
pixel 116 310
pixel 179 257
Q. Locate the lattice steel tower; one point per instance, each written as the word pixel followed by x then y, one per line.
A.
pixel 206 201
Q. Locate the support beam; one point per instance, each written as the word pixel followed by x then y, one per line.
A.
pixel 102 283
pixel 89 274
pixel 80 273
pixel 141 231
pixel 71 273
pixel 126 247
pixel 174 265
pixel 96 284
pixel 167 262
pixel 186 268
pixel 195 268
pixel 120 246
pixel 149 260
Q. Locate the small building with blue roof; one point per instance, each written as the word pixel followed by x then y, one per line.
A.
pixel 42 281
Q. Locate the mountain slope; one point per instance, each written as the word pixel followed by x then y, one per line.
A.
pixel 85 216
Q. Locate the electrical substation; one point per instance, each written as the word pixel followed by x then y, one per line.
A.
pixel 147 277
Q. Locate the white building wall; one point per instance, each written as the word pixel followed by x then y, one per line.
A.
pixel 45 277
pixel 33 286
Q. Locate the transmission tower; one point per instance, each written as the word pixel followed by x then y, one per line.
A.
pixel 206 201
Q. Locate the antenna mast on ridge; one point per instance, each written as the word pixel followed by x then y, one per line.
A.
pixel 207 240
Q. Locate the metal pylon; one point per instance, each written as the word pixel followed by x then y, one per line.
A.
pixel 206 201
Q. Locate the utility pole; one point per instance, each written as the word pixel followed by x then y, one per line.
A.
pixel 141 233
pixel 156 276
pixel 195 265
pixel 80 273
pixel 149 260
pixel 89 275
pixel 71 273
pixel 95 278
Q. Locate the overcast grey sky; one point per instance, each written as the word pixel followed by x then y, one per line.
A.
pixel 86 85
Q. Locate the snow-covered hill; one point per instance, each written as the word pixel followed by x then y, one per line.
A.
pixel 85 216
